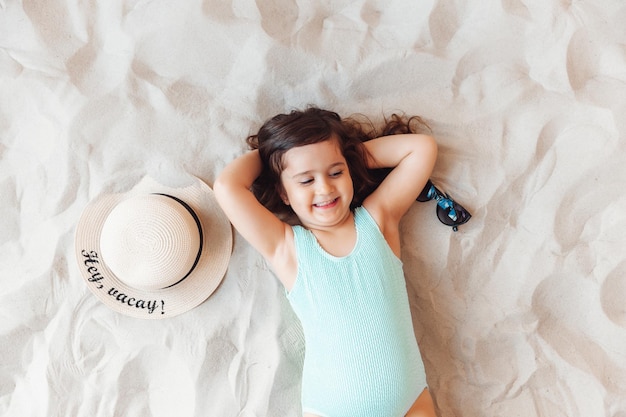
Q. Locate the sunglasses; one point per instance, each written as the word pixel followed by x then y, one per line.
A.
pixel 449 211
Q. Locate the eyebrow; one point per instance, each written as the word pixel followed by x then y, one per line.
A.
pixel 336 164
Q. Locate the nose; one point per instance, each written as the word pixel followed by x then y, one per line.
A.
pixel 324 186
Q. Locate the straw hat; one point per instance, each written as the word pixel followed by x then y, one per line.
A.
pixel 155 251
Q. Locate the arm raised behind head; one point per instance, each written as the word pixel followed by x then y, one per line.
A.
pixel 412 157
pixel 259 226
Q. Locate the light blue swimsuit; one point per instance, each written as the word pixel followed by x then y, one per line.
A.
pixel 362 359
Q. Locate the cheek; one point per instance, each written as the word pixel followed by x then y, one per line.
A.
pixel 295 194
pixel 349 185
pixel 289 193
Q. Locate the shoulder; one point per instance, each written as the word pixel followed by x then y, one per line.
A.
pixel 375 213
pixel 386 224
pixel 284 260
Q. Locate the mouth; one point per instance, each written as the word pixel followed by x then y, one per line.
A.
pixel 327 203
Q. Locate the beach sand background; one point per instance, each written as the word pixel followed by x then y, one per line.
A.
pixel 522 312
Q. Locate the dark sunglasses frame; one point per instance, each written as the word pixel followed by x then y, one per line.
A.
pixel 449 212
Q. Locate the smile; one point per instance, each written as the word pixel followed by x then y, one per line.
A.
pixel 327 203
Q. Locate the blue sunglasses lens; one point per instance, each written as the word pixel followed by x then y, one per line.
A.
pixel 449 212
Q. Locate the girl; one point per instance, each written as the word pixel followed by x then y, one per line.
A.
pixel 304 199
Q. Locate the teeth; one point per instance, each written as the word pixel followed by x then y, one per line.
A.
pixel 324 203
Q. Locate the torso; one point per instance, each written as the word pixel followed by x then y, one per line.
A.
pixel 337 242
pixel 356 318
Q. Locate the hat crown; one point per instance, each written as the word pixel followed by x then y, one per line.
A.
pixel 151 242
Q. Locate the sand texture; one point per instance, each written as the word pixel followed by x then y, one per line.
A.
pixel 522 312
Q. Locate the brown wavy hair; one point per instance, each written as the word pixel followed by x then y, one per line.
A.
pixel 313 125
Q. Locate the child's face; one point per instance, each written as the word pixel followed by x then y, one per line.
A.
pixel 317 184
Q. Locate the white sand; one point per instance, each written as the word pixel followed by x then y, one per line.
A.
pixel 520 313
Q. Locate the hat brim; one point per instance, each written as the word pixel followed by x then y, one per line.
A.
pixel 168 302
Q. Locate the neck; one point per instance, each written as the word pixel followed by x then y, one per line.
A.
pixel 338 240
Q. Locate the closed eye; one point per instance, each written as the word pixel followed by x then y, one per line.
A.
pixel 336 174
